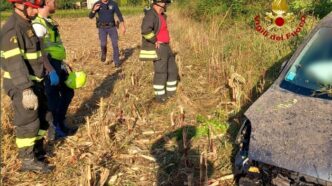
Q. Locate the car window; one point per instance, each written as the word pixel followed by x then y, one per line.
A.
pixel 313 67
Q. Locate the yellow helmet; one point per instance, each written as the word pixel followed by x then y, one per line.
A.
pixel 76 80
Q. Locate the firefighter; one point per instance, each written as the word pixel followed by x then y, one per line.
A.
pixel 155 47
pixel 107 26
pixel 23 66
pixel 59 97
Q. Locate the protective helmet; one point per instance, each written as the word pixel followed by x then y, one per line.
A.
pixel 34 3
pixel 30 3
pixel 76 80
pixel 15 1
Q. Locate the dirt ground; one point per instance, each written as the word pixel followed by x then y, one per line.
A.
pixel 124 137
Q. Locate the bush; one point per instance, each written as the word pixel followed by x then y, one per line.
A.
pixel 4 5
pixel 205 8
pixel 322 7
pixel 200 9
pixel 319 8
pixel 65 4
pixel 134 2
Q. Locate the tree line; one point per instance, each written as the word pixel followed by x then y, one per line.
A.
pixel 70 4
pixel 201 9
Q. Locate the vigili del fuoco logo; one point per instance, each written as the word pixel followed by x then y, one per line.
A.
pixel 278 27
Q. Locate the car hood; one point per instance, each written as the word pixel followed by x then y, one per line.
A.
pixel 292 131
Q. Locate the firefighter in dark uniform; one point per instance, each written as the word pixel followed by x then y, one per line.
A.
pixel 106 26
pixel 23 66
pixel 155 47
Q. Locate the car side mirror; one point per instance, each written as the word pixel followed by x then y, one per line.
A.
pixel 283 65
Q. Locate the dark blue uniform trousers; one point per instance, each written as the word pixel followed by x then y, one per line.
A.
pixel 59 97
pixel 113 34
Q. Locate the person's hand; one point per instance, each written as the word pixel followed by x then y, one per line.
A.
pixel 29 100
pixel 158 44
pixel 123 29
pixel 54 78
pixel 96 7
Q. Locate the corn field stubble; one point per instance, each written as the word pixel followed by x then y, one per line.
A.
pixel 124 138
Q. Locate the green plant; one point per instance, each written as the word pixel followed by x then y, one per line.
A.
pixel 207 126
pixel 4 5
pixel 65 4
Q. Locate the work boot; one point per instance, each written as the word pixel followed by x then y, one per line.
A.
pixel 170 94
pixel 161 99
pixel 103 54
pixel 62 131
pixel 68 130
pixel 51 133
pixel 59 133
pixel 39 150
pixel 29 163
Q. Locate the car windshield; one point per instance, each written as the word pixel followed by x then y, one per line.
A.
pixel 312 69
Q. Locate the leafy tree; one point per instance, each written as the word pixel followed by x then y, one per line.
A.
pixel 4 5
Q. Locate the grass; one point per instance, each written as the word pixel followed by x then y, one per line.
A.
pixel 124 138
pixel 76 13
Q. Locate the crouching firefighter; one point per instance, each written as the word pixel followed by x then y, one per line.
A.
pixel 23 66
pixel 156 48
pixel 59 96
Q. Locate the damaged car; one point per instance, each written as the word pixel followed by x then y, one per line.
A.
pixel 286 138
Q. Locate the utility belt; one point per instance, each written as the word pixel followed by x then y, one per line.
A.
pixel 105 25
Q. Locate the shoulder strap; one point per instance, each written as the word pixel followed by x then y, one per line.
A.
pixel 39 20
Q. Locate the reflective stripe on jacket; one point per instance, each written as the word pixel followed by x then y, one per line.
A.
pixel 150 28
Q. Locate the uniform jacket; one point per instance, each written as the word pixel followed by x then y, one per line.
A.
pixel 150 28
pixel 20 54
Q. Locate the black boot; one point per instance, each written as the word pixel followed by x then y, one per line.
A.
pixel 29 163
pixel 39 150
pixel 103 54
pixel 170 94
pixel 69 131
pixel 161 99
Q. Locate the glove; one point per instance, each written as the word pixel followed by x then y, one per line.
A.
pixel 54 78
pixel 29 100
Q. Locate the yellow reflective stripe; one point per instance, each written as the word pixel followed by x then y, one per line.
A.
pixel 17 51
pixel 35 78
pixel 10 53
pixel 170 89
pixel 25 142
pixel 7 75
pixel 171 83
pixel 159 93
pixel 42 132
pixel 158 87
pixel 148 56
pixel 31 77
pixel 149 36
pixel 32 55
pixel 148 52
pixel 254 170
pixel 39 137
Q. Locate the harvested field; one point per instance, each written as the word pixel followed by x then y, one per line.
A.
pixel 124 137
